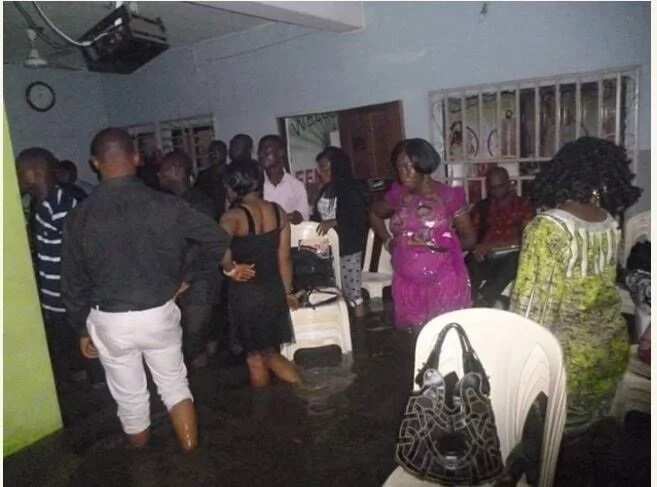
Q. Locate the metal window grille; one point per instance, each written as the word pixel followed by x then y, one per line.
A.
pixel 144 138
pixel 192 135
pixel 521 124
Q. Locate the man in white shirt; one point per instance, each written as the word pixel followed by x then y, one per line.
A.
pixel 280 186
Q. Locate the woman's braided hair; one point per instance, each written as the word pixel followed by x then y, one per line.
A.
pixel 582 168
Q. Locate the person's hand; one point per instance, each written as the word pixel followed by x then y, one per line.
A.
pixel 325 226
pixel 481 251
pixel 183 287
pixel 295 217
pixel 417 241
pixel 87 348
pixel 292 301
pixel 241 272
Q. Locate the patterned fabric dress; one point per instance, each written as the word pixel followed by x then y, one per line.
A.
pixel 427 280
pixel 566 282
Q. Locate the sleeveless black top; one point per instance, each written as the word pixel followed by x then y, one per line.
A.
pixel 258 308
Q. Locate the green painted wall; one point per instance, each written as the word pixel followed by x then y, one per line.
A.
pixel 31 410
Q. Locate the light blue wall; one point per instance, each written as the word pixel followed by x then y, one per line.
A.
pixel 405 51
pixel 67 128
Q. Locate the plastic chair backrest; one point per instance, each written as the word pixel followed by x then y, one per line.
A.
pixel 521 359
pixel 369 248
pixel 308 231
pixel 636 227
pixel 385 260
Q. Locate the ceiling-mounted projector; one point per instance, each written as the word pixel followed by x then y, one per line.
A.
pixel 125 42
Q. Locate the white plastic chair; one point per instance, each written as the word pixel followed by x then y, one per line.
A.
pixel 327 324
pixel 522 359
pixel 636 227
pixel 633 392
pixel 374 282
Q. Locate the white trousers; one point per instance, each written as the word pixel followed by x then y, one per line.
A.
pixel 122 340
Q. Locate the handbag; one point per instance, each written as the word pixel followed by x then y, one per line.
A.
pixel 448 432
pixel 312 276
pixel 311 269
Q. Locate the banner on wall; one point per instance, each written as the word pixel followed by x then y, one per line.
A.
pixel 307 136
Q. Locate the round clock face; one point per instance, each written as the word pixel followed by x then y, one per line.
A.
pixel 40 96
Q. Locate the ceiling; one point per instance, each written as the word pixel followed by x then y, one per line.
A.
pixel 185 22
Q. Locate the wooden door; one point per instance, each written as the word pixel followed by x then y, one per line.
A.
pixel 368 134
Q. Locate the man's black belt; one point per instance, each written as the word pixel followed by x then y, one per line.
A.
pixel 124 307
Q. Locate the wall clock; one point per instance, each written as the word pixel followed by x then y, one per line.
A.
pixel 40 96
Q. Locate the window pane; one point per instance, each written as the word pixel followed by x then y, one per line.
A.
pixel 547 118
pixel 527 122
pixel 456 171
pixel 146 145
pixel 472 132
pixel 437 125
pixel 489 125
pixel 609 109
pixel 455 129
pixel 202 138
pixel 508 124
pixel 589 95
pixel 628 111
pixel 568 117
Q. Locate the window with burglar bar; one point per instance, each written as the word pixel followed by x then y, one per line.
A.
pixel 521 124
pixel 192 135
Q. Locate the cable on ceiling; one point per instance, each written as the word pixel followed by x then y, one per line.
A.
pixel 37 28
pixel 59 32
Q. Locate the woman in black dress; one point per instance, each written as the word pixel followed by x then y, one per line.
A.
pixel 259 308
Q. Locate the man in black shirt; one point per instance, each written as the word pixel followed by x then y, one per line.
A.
pixel 122 268
pixel 210 177
pixel 240 148
pixel 210 180
pixel 198 302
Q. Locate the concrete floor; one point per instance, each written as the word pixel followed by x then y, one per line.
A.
pixel 340 435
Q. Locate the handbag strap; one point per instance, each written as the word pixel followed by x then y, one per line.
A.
pixel 463 338
pixel 471 362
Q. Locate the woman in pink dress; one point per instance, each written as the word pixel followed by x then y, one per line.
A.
pixel 430 228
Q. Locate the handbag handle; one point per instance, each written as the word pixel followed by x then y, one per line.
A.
pixel 466 347
pixel 471 362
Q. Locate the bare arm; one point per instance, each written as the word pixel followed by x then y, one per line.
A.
pixel 238 272
pixel 466 231
pixel 230 224
pixel 284 252
pixel 379 211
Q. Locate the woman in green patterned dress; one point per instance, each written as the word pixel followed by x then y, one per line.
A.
pixel 567 269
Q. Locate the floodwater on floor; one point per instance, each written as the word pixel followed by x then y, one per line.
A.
pixel 338 431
